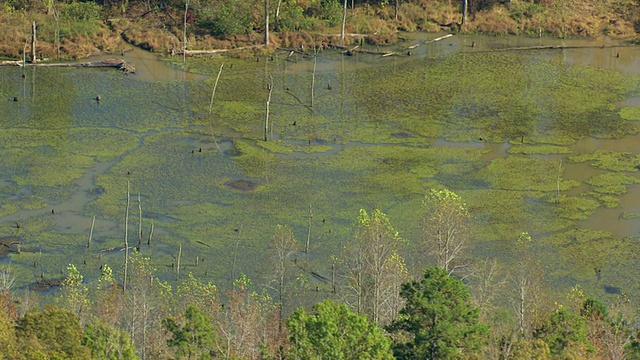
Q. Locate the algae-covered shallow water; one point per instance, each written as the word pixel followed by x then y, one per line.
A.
pixel 539 141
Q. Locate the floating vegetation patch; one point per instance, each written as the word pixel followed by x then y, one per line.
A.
pixel 612 183
pixel 502 96
pixel 630 113
pixel 608 201
pixel 519 173
pixel 502 214
pixel 628 215
pixel 610 160
pixel 589 257
pixel 575 207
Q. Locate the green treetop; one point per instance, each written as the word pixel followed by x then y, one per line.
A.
pixel 438 320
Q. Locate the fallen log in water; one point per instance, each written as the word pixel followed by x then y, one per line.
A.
pixel 430 41
pixel 110 63
pixel 213 51
pixel 558 47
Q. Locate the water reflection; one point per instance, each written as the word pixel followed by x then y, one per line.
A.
pixel 149 67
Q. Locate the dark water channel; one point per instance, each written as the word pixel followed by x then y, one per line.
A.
pixel 207 183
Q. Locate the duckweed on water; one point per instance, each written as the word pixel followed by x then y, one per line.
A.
pixel 630 113
pixel 608 201
pixel 551 98
pixel 610 160
pixel 575 207
pixel 371 137
pixel 590 257
pixel 519 173
pixel 612 183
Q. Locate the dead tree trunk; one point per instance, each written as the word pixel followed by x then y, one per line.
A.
pixel 465 9
pixel 139 222
pixel 126 240
pixel 215 86
pixel 276 25
pixel 184 32
pixel 266 22
pixel 313 75
pixel 93 222
pixel 266 116
pixel 33 43
pixel 344 20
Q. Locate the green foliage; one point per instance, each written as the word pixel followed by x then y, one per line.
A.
pixel 107 342
pixel 8 341
pixel 75 293
pixel 225 18
pixel 53 334
pixel 522 9
pixel 438 318
pixel 293 17
pixel 194 338
pixel 332 331
pixel 81 11
pixel 329 10
pixel 562 331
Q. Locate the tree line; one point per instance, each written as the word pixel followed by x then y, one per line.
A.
pixel 73 29
pixel 377 308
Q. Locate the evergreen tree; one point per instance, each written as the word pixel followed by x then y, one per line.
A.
pixel 333 331
pixel 51 334
pixel 107 342
pixel 193 340
pixel 438 320
pixel 566 334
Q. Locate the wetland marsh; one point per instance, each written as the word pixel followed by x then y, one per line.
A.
pixel 542 141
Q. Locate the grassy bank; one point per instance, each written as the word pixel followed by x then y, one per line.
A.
pixel 78 29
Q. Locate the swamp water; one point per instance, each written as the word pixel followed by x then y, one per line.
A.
pixel 542 141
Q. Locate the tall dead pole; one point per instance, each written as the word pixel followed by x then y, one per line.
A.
pixel 465 9
pixel 93 222
pixel 126 239
pixel 313 75
pixel 179 256
pixel 344 20
pixel 215 86
pixel 306 249
pixel 184 33
pixel 266 116
pixel 33 43
pixel 266 22
pixel 235 256
pixel 139 222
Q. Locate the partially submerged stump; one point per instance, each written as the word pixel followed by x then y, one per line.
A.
pixel 9 244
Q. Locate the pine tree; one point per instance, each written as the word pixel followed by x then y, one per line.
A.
pixel 438 320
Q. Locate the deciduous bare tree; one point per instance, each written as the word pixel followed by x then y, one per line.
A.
pixel 446 229
pixel 283 247
pixel 526 282
pixel 373 269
